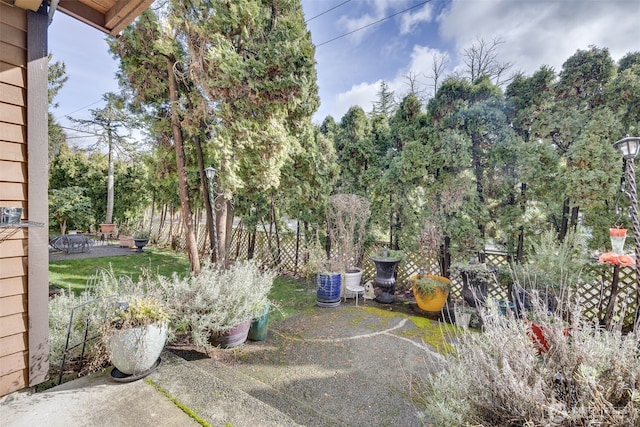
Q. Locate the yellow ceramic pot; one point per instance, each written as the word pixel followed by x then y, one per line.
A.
pixel 433 301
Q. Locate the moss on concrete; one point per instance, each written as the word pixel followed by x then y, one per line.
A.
pixel 179 404
pixel 436 334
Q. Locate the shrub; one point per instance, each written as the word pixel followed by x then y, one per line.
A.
pixel 497 377
pixel 138 312
pixel 59 313
pixel 90 315
pixel 217 299
pixel 554 265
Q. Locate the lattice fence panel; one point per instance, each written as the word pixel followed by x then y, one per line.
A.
pixel 594 295
pixel 240 244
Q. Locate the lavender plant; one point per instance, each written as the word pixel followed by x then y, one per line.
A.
pixel 217 299
pixel 499 377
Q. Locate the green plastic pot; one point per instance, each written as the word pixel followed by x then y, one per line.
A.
pixel 258 329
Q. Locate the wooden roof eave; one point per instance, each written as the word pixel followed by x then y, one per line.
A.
pixel 119 15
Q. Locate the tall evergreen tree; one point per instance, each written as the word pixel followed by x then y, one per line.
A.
pixel 579 92
pixel 356 154
pixel 150 57
pixel 253 62
pixel 57 77
pixel 113 125
pixel 386 103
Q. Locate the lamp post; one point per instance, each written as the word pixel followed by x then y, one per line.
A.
pixel 629 148
pixel 210 172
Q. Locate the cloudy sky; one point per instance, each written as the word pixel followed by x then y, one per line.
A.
pixel 360 43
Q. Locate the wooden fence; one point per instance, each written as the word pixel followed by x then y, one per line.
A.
pixel 287 256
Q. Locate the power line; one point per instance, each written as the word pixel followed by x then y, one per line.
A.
pixel 81 131
pixel 373 23
pixel 327 11
pixel 85 107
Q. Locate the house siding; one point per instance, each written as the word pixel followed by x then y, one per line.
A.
pixel 23 311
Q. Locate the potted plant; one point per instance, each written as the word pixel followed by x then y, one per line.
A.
pixel 126 241
pixel 107 229
pixel 125 236
pixel 135 335
pixel 347 216
pixel 476 279
pixel 552 268
pixel 462 314
pixel 386 262
pixel 323 274
pixel 216 307
pixel 141 239
pixel 430 291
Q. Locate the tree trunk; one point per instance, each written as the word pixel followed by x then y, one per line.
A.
pixel 163 220
pixel 222 213
pixel 278 259
pixel 523 207
pixel 445 257
pixel 251 244
pixel 192 245
pixel 564 225
pixel 172 229
pixel 206 197
pixel 110 180
pixel 152 213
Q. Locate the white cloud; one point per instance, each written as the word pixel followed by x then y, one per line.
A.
pixel 540 33
pixel 377 10
pixel 363 94
pixel 419 67
pixel 353 24
pixel 411 20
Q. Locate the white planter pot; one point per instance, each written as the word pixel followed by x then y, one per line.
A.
pixel 136 350
pixel 351 279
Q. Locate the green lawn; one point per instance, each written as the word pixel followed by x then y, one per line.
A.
pixel 289 296
pixel 72 274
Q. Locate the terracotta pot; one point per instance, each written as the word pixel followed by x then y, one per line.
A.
pixel 126 241
pixel 107 228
